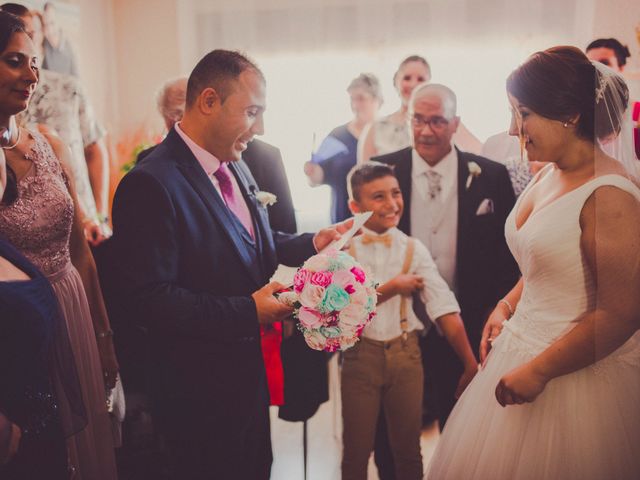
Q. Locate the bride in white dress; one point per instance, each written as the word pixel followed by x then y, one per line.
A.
pixel 559 394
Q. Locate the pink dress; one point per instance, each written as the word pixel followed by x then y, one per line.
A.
pixel 39 225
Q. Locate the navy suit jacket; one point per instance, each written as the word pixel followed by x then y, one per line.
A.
pixel 265 164
pixel 186 270
pixel 485 269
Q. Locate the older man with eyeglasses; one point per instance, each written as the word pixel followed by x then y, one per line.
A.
pixel 456 203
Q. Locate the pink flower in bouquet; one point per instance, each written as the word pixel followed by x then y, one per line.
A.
pixel 301 277
pixel 359 274
pixel 349 341
pixel 317 263
pixel 310 318
pixel 360 296
pixel 322 279
pixel 344 279
pixel 311 295
pixel 331 320
pixel 350 317
pixel 315 339
pixel 332 345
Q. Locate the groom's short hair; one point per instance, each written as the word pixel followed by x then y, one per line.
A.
pixel 217 70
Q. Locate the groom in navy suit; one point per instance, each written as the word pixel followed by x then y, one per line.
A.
pixel 193 249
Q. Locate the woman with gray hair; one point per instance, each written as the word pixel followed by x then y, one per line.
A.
pixel 336 155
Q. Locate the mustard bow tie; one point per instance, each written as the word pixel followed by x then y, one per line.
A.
pixel 383 239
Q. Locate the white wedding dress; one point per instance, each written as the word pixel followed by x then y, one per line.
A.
pixel 584 425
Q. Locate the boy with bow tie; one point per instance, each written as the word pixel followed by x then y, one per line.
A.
pixel 384 370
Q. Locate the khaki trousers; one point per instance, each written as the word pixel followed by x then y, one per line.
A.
pixel 385 375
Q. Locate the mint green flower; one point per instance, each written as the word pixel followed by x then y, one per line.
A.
pixel 330 332
pixel 369 305
pixel 335 299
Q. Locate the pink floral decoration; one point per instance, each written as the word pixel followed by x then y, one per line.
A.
pixel 332 345
pixel 323 279
pixel 301 277
pixel 359 275
pixel 310 318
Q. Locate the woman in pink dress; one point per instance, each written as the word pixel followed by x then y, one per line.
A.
pixel 40 217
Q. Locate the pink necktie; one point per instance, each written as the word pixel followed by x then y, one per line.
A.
pixel 236 204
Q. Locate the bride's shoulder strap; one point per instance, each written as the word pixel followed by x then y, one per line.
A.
pixel 613 180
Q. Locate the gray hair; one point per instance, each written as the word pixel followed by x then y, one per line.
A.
pixel 367 82
pixel 449 101
pixel 171 98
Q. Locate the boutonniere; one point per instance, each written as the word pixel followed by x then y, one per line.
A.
pixel 474 171
pixel 266 199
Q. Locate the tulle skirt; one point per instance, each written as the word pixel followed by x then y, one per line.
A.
pixel 91 451
pixel 585 425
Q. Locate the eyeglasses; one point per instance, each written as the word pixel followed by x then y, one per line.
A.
pixel 436 123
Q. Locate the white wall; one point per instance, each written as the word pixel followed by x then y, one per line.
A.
pixel 97 60
pixel 129 47
pixel 146 54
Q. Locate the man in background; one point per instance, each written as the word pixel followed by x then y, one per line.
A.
pixel 58 54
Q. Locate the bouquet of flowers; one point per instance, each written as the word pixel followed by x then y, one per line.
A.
pixel 334 299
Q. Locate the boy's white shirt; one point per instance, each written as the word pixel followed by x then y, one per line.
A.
pixel 384 263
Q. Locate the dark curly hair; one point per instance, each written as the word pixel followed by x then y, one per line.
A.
pixel 560 83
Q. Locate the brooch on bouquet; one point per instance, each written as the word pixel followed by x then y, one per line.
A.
pixel 334 299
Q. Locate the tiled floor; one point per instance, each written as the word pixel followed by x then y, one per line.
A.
pixel 324 441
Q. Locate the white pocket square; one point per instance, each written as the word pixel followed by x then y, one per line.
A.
pixel 485 207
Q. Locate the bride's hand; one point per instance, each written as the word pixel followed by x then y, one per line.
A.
pixel 491 330
pixel 521 385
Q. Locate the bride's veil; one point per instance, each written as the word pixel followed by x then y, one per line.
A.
pixel 613 124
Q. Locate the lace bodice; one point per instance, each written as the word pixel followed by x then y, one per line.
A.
pixel 558 285
pixel 39 222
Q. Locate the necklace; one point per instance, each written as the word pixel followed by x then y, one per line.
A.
pixel 11 147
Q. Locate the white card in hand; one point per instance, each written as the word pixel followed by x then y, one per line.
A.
pixel 359 219
pixel 284 275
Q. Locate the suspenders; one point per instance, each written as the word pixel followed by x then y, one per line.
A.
pixel 408 258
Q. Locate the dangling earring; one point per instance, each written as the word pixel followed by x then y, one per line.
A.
pixel 565 124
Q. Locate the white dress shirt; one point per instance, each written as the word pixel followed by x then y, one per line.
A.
pixel 384 263
pixel 435 222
